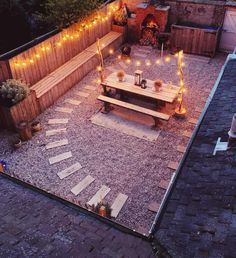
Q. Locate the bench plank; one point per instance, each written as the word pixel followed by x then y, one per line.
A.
pixel 134 107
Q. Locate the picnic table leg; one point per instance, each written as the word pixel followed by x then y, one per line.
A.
pixel 106 108
pixel 156 122
pixel 104 89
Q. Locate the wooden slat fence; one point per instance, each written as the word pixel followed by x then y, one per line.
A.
pixel 35 63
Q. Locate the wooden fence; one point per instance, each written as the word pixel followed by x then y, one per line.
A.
pixel 35 63
pixel 193 40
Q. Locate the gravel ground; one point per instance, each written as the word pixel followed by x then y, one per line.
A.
pixel 126 164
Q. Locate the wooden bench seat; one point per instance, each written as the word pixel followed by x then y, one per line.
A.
pixel 50 88
pixel 154 114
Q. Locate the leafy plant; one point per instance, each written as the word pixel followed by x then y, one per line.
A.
pixel 120 17
pixel 13 91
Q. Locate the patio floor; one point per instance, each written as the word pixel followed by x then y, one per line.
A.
pixel 129 165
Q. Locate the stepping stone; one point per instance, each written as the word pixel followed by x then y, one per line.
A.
pixel 82 185
pixel 73 102
pixel 198 109
pixel 173 165
pixel 140 55
pixel 69 171
pixel 82 94
pixel 187 134
pixel 181 148
pixel 56 144
pixel 193 121
pixel 88 87
pixel 123 65
pixel 111 68
pixel 64 110
pixel 55 131
pixel 99 196
pixel 58 121
pixel 164 184
pixel 60 157
pixel 146 51
pixel 118 204
pixel 153 206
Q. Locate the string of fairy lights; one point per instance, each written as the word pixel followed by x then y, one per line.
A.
pixel 100 18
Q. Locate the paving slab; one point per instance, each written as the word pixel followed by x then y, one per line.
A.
pixel 123 65
pixel 69 171
pixel 173 165
pixel 56 144
pixel 118 204
pixel 58 121
pixel 140 55
pixel 73 102
pixel 99 196
pixel 82 94
pixel 64 110
pixel 89 87
pixel 82 185
pixel 187 134
pixel 154 206
pixel 111 69
pixel 181 148
pixel 55 131
pixel 60 157
pixel 164 184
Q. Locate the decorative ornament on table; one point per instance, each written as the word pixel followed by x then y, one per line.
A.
pixel 157 85
pixel 120 75
pixel 144 84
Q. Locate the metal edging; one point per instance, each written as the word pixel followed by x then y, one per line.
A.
pixel 160 213
pixel 81 209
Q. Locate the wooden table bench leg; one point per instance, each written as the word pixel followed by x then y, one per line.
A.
pixel 156 122
pixel 106 108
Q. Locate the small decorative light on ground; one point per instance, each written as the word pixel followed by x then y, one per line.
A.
pixel 111 51
pixel 158 61
pixel 138 63
pixel 167 59
pixel 128 61
pixel 148 63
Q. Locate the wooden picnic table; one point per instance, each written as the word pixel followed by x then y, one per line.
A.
pixel 166 94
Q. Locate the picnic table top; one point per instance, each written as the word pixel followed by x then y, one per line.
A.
pixel 167 93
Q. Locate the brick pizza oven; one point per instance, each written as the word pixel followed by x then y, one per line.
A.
pixel 148 15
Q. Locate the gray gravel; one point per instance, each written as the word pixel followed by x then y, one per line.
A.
pixel 124 163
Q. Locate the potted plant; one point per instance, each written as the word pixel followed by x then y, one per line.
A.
pixel 17 103
pixel 17 143
pixel 120 21
pixel 120 75
pixel 36 126
pixel 157 85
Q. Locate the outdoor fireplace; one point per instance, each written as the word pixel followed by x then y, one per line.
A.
pixel 150 19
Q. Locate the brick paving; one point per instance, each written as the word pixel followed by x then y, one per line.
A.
pixel 33 225
pixel 200 217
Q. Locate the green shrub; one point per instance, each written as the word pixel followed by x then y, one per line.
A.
pixel 120 17
pixel 13 91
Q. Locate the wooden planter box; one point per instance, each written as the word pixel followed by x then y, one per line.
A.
pixel 121 29
pixel 199 40
pixel 27 109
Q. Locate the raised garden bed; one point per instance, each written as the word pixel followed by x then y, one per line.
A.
pixel 195 39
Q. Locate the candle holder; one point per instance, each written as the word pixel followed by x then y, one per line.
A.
pixel 138 76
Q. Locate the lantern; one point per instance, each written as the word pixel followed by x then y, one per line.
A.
pixel 138 76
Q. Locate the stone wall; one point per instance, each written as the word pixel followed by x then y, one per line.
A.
pixel 195 11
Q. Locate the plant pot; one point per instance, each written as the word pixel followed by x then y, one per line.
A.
pixel 120 79
pixel 24 130
pixel 36 126
pixel 17 143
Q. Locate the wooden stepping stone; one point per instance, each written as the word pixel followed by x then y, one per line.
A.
pixel 55 131
pixel 140 55
pixel 173 165
pixel 56 144
pixel 64 110
pixel 187 134
pixel 193 121
pixel 123 65
pixel 60 157
pixel 82 94
pixel 82 185
pixel 99 196
pixel 69 171
pixel 73 102
pixel 154 206
pixel 181 148
pixel 58 121
pixel 118 204
pixel 88 87
pixel 164 184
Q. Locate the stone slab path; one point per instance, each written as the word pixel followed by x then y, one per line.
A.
pixel 118 204
pixel 55 131
pixel 58 121
pixel 82 185
pixel 64 110
pixel 99 196
pixel 69 171
pixel 73 102
pixel 82 94
pixel 60 157
pixel 57 144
